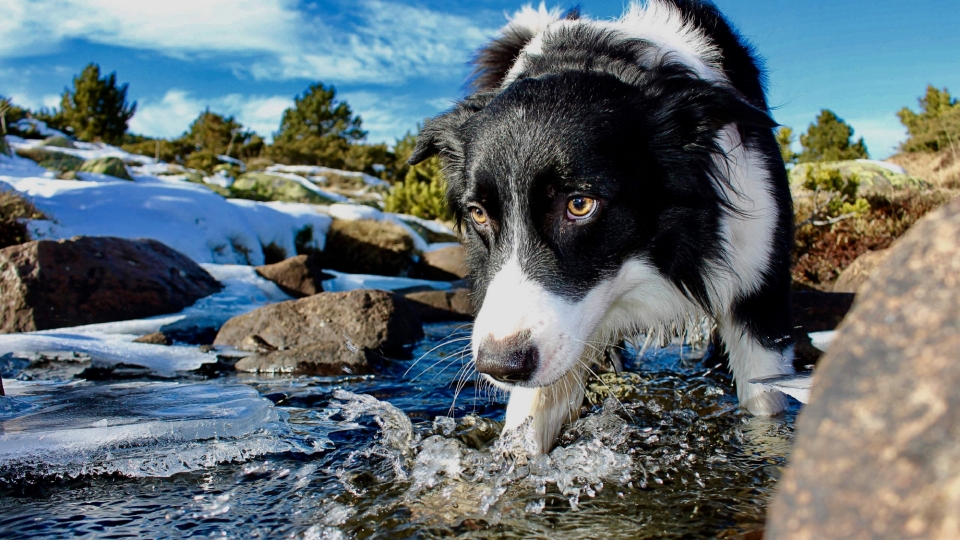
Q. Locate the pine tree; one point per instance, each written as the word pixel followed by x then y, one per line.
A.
pixel 96 109
pixel 217 134
pixel 937 126
pixel 828 139
pixel 318 129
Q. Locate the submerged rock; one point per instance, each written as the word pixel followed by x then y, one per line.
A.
pixel 859 271
pixel 878 446
pixel 324 334
pixel 297 276
pixel 85 280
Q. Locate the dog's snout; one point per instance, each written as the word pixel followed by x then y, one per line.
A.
pixel 512 360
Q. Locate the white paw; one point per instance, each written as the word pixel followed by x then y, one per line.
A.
pixel 761 402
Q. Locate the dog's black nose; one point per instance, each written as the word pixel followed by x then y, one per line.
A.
pixel 510 361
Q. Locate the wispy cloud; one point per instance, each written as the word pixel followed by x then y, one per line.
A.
pixel 171 26
pixel 371 41
pixel 171 115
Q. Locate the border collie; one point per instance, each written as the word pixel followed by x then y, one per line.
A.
pixel 612 178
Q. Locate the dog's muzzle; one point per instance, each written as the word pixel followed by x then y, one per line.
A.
pixel 508 361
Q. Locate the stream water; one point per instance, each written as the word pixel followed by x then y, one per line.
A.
pixel 383 456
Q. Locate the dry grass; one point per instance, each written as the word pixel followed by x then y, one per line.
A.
pixel 13 208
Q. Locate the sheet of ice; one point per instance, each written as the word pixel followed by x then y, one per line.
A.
pixel 348 282
pixel 162 361
pixel 185 216
pixel 796 385
pixel 313 170
pixel 140 429
pixel 821 340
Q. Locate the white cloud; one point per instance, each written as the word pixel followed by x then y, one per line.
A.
pixel 373 41
pixel 171 26
pixel 171 116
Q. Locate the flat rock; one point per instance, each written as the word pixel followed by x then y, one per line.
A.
pixel 877 450
pixel 445 264
pixel 859 271
pixel 155 338
pixel 434 306
pixel 297 276
pixel 85 280
pixel 328 333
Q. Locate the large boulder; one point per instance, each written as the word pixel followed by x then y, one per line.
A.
pixel 877 450
pixel 444 264
pixel 368 247
pixel 109 166
pixel 85 280
pixel 872 176
pixel 297 276
pixel 58 141
pixel 273 187
pixel 859 271
pixel 324 334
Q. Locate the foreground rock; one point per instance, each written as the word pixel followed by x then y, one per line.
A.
pixel 877 451
pixel 85 280
pixel 859 271
pixel 437 306
pixel 297 276
pixel 324 334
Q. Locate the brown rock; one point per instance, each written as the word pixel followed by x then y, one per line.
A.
pixel 297 276
pixel 155 338
pixel 877 451
pixel 444 264
pixel 52 284
pixel 433 306
pixel 327 333
pixel 859 271
pixel 368 247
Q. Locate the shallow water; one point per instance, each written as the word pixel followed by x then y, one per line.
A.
pixel 674 459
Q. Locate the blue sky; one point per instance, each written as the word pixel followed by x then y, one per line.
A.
pixel 399 61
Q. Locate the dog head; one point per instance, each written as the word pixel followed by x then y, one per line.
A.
pixel 572 189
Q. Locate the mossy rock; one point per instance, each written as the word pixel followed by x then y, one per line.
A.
pixel 58 142
pixel 109 166
pixel 872 177
pixel 261 186
pixel 368 247
pixel 51 159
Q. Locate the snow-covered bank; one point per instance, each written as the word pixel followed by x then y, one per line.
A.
pixel 187 217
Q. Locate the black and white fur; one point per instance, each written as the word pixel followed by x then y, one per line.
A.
pixel 661 118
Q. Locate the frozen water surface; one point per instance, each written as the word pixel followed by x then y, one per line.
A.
pixel 661 451
pixel 137 429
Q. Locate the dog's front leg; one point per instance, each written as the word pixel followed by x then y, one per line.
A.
pixel 750 359
pixel 550 407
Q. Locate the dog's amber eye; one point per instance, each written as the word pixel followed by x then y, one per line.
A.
pixel 478 215
pixel 581 207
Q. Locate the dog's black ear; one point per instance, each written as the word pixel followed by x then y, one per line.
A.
pixel 441 135
pixel 731 107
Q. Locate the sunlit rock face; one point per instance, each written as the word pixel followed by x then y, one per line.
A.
pixel 877 450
